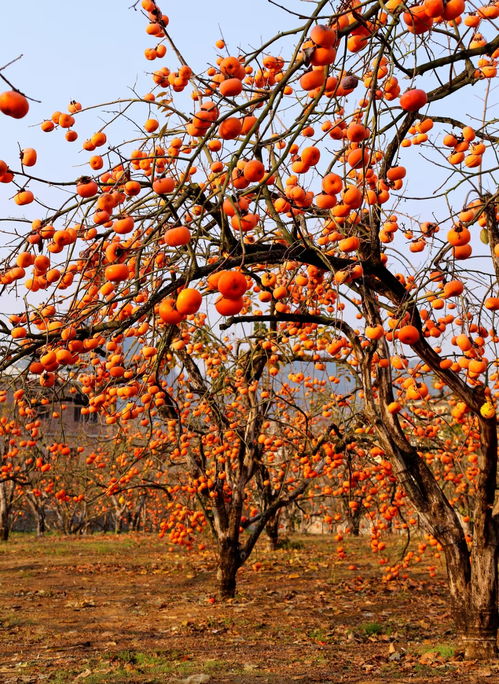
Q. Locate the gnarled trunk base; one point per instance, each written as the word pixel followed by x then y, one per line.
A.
pixel 481 646
pixel 272 532
pixel 229 564
pixel 41 527
pixel 474 592
pixel 478 631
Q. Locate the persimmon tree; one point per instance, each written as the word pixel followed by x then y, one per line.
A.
pixel 322 187
pixel 260 447
pixel 221 435
pixel 18 465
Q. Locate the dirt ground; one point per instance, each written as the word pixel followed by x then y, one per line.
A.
pixel 107 609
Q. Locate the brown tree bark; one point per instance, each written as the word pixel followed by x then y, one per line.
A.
pixel 5 509
pixel 229 564
pixel 272 532
pixel 473 591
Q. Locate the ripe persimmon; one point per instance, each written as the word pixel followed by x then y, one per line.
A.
pixel 408 334
pixel 176 237
pixel 229 306
pixel 324 36
pixel 458 235
pixel 163 185
pixel 98 139
pixel 332 184
pixel 47 379
pixel 374 332
pixel 462 251
pixel 310 155
pixel 356 132
pixel 18 333
pixel 24 197
pixel 96 162
pixel 188 301
pixel 231 87
pixel 28 156
pixel 358 158
pixel 231 66
pixel 349 244
pixel 324 201
pixel 25 259
pixel 47 126
pixel 417 19
pixel 396 173
pixel 116 272
pixel 74 107
pixel 151 125
pixel 232 284
pixel 230 128
pixel 124 225
pixel 244 223
pixel 13 103
pixel 254 171
pixel 452 9
pixel 434 8
pixel 453 288
pixel 313 79
pixel 352 196
pixel 413 100
pixel 323 56
pixel 65 120
pixel 168 313
pixel 86 187
pixel 248 123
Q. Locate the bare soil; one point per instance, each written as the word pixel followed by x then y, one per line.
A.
pixel 108 609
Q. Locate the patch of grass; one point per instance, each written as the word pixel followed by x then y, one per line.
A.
pixel 104 547
pixel 61 677
pixel 286 543
pixel 166 663
pixel 141 658
pixel 110 546
pixel 371 628
pixel 131 657
pixel 16 621
pixel 120 675
pixel 426 671
pixel 162 663
pixel 318 634
pixel 131 667
pixel 443 650
pixel 217 622
pixel 389 670
pixel 213 665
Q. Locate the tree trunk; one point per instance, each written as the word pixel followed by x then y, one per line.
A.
pixel 474 593
pixel 118 523
pixel 41 526
pixel 229 564
pixel 354 523
pixel 136 522
pixel 4 529
pixel 272 531
pixel 4 513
